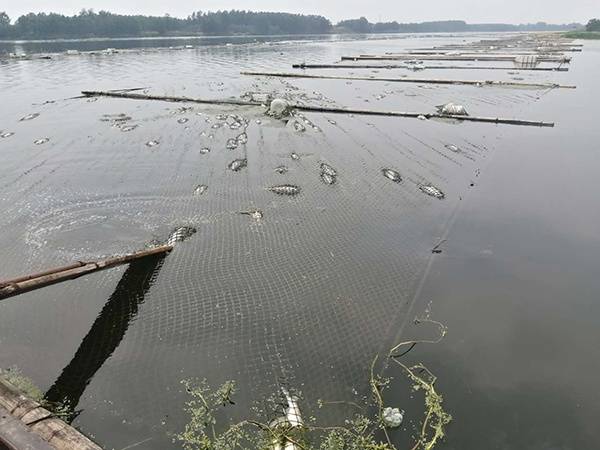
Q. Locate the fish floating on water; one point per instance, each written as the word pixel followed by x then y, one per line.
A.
pixel 432 191
pixel 41 141
pixel 180 234
pixel 200 189
pixel 204 150
pixel 152 143
pixel 238 164
pixel 392 174
pixel 255 214
pixel 452 148
pixel 327 178
pixel 182 120
pixel 285 189
pixel 29 117
pixel 281 170
pixel 127 128
pixel 295 156
pixel 6 134
pixel 327 169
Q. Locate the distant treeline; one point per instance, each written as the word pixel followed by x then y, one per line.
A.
pixel 362 25
pixel 105 24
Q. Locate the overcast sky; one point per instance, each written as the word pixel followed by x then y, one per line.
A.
pixel 508 11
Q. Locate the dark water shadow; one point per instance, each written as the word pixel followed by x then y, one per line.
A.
pixel 105 335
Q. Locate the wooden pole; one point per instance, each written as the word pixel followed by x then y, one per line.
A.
pixel 404 66
pixel 28 283
pixel 42 422
pixel 412 80
pixel 352 111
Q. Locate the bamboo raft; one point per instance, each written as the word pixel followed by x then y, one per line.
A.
pixel 477 83
pixel 404 66
pixel 320 109
pixel 20 285
pixel 36 428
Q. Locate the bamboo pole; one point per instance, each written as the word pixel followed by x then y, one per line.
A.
pixel 168 98
pixel 565 59
pixel 28 283
pixel 345 110
pixel 404 66
pixel 412 80
pixel 42 422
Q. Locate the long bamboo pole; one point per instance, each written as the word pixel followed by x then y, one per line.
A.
pixel 28 283
pixel 307 108
pixel 168 98
pixel 413 80
pixel 404 66
pixel 565 59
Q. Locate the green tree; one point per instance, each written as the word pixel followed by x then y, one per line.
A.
pixel 593 25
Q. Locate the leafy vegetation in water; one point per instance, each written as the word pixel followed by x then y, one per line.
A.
pixel 362 431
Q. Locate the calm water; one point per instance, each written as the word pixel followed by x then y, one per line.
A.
pixel 309 294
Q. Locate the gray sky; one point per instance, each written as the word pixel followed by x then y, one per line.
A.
pixel 508 11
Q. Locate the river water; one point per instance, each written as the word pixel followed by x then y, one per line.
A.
pixel 306 296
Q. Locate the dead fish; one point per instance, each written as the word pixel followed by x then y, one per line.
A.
pixel 327 169
pixel 281 170
pixel 328 178
pixel 41 141
pixel 295 156
pixel 391 174
pixel 332 122
pixel 432 191
pixel 128 128
pixel 452 148
pixel 29 117
pixel 242 139
pixel 221 117
pixel 232 144
pixel 285 189
pixel 215 126
pixel 152 143
pixel 180 234
pixel 299 127
pixel 255 214
pixel 204 150
pixel 182 120
pixel 200 189
pixel 6 134
pixel 238 164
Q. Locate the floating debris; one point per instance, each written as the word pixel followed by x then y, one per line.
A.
pixel 92 99
pixel 183 120
pixel 41 141
pixel 279 108
pixel 392 417
pixel 238 164
pixel 204 150
pixel 6 134
pixel 421 117
pixel 299 127
pixel 216 126
pixel 127 128
pixel 327 178
pixel 242 139
pixel 116 118
pixel 232 144
pixel 180 234
pixel 258 121
pixel 285 189
pixel 281 170
pixel 295 156
pixel 221 117
pixel 392 174
pixel 29 117
pixel 200 189
pixel 332 122
pixel 255 214
pixel 152 143
pixel 327 169
pixel 452 148
pixel 452 109
pixel 432 191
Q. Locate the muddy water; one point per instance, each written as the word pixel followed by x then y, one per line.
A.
pixel 306 294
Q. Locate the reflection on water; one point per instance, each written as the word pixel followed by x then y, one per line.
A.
pixel 106 333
